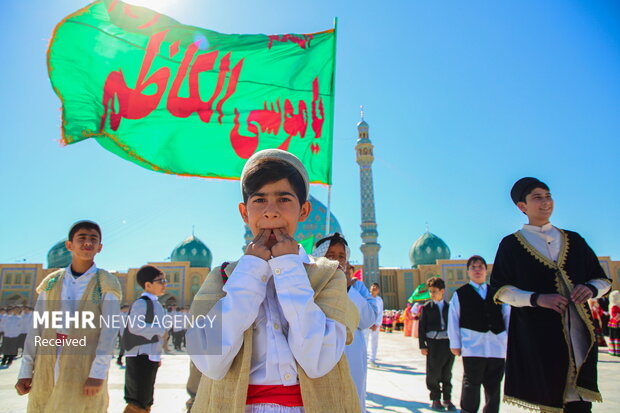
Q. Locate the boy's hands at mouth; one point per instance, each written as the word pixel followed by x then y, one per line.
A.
pixel 285 244
pixel 260 246
pixel 272 243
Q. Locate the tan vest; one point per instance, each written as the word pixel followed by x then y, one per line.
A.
pixel 66 395
pixel 333 392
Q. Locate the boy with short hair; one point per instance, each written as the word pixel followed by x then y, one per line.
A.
pixel 478 331
pixel 142 340
pixel 547 275
pixel 285 317
pixel 336 248
pixel 372 333
pixel 12 331
pixel 434 344
pixel 67 378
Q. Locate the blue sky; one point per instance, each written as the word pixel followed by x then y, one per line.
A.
pixel 461 99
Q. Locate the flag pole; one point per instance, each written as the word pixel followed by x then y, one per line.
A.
pixel 329 184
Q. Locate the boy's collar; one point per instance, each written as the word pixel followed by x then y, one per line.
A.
pixel 149 295
pixel 535 228
pixel 92 269
pixel 476 285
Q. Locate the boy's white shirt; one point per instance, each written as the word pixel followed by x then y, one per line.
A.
pixel 26 322
pixel 356 352
pixel 12 325
pixel 290 328
pixel 379 319
pixel 474 343
pixel 548 241
pixel 157 328
pixel 71 294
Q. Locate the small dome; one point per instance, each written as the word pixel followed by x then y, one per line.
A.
pixel 362 125
pixel 59 256
pixel 427 250
pixel 194 251
pixel 314 225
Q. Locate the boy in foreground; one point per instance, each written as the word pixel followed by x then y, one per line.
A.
pixel 68 378
pixel 547 275
pixel 285 316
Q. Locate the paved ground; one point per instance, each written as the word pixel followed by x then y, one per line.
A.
pixel 396 385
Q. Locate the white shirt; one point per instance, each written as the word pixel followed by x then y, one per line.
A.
pixel 71 293
pixel 26 322
pixel 12 325
pixel 156 328
pixel 379 303
pixel 356 352
pixel 474 343
pixel 289 327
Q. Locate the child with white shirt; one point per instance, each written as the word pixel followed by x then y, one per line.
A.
pixel 435 345
pixel 285 317
pixel 547 275
pixel 73 377
pixel 335 247
pixel 142 340
pixel 372 334
pixel 478 331
pixel 12 330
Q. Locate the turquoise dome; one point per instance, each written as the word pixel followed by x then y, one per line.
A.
pixel 427 250
pixel 194 251
pixel 59 256
pixel 313 225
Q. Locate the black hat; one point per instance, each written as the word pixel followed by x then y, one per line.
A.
pixel 523 187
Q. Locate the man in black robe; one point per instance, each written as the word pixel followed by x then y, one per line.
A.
pixel 547 275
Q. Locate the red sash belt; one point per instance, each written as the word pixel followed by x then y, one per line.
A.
pixel 289 396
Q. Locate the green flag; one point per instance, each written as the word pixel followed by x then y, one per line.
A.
pixel 421 292
pixel 189 101
pixel 307 244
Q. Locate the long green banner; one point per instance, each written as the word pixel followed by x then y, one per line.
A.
pixel 189 101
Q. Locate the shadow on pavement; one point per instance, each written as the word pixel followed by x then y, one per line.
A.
pixel 387 403
pixel 397 368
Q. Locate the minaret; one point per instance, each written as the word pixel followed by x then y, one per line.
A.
pixel 370 247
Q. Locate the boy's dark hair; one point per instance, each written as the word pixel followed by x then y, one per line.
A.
pixel 529 190
pixel 436 282
pixel 333 240
pixel 84 224
pixel 268 171
pixel 475 258
pixel 147 273
pixel 375 285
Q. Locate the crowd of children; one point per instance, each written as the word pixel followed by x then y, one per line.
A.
pixel 14 323
pixel 300 330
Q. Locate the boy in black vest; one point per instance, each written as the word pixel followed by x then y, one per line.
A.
pixel 142 340
pixel 434 344
pixel 547 275
pixel 478 331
